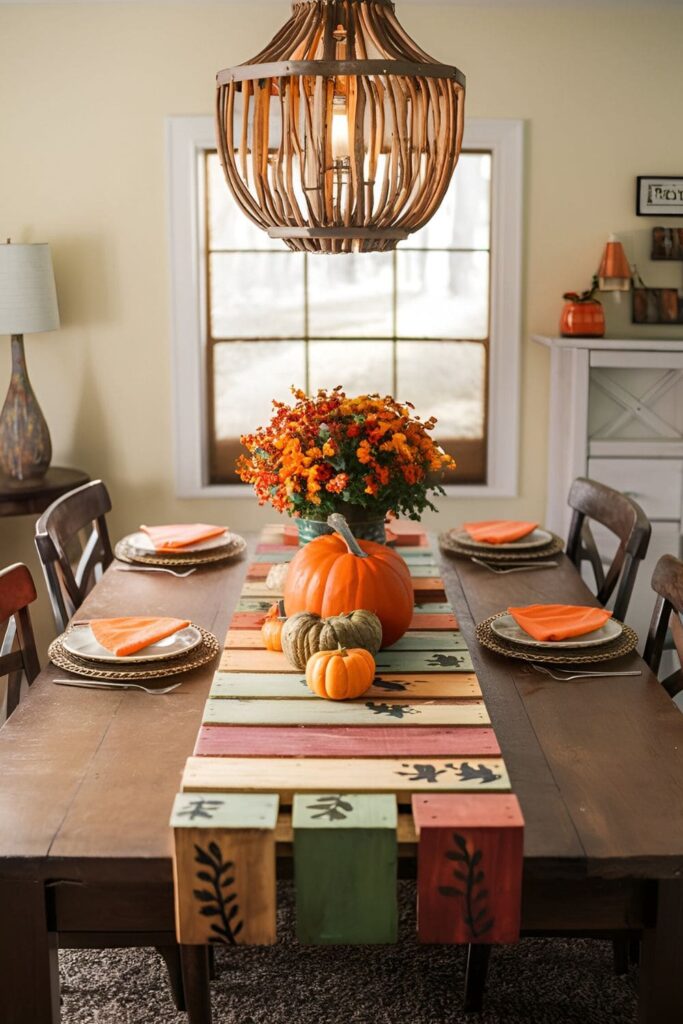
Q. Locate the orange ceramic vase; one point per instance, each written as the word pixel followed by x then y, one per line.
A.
pixel 582 320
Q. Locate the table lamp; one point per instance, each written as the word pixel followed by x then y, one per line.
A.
pixel 28 305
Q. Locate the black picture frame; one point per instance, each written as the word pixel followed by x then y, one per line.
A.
pixel 668 208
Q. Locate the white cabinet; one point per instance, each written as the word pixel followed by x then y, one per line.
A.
pixel 617 417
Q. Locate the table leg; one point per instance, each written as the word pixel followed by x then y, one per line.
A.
pixel 29 975
pixel 478 957
pixel 195 964
pixel 661 960
pixel 171 957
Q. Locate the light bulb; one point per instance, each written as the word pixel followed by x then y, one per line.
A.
pixel 340 130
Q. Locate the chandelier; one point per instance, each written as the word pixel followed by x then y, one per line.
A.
pixel 342 135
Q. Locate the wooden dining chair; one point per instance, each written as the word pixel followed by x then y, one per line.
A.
pixel 623 517
pixel 667 583
pixel 18 658
pixel 74 547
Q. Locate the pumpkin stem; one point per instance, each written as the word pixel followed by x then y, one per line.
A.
pixel 281 609
pixel 340 526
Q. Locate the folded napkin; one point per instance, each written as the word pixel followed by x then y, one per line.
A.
pixel 129 635
pixel 558 621
pixel 498 531
pixel 179 535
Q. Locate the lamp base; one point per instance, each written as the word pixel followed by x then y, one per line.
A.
pixel 25 446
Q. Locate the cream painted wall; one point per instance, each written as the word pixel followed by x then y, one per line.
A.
pixel 84 90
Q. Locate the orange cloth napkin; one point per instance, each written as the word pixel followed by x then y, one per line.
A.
pixel 558 621
pixel 498 531
pixel 179 535
pixel 129 635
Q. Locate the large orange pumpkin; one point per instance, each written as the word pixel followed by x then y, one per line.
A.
pixel 336 574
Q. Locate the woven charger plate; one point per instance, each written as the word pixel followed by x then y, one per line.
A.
pixel 237 547
pixel 451 546
pixel 207 650
pixel 624 644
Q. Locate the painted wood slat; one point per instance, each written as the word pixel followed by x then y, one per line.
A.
pixel 236 660
pixel 318 741
pixel 250 615
pixel 469 867
pixel 274 686
pixel 224 868
pixel 218 711
pixel 286 552
pixel 345 868
pixel 259 569
pixel 426 586
pixel 421 622
pixel 287 776
pixel 414 640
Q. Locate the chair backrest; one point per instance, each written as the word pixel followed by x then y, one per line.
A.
pixel 17 646
pixel 74 548
pixel 624 518
pixel 667 583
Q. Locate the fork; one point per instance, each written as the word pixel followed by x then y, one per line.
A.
pixel 106 684
pixel 580 675
pixel 520 567
pixel 154 568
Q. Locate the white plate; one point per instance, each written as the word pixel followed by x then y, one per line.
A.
pixel 536 539
pixel 507 629
pixel 141 544
pixel 81 642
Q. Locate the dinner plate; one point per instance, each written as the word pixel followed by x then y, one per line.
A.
pixel 80 641
pixel 507 629
pixel 536 539
pixel 141 544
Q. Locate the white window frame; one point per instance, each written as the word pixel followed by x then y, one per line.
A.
pixel 186 138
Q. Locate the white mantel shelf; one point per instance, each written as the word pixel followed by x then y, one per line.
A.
pixel 616 344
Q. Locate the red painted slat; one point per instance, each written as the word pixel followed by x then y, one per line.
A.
pixel 423 621
pixel 469 867
pixel 316 741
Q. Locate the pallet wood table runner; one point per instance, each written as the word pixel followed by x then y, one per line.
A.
pixel 419 741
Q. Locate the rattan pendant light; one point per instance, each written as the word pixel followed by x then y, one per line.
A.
pixel 347 133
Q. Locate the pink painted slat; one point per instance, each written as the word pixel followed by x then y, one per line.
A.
pixel 247 620
pixel 316 741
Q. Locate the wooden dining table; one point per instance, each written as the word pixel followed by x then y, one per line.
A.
pixel 88 778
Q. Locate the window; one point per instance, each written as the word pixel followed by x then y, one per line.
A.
pixel 435 323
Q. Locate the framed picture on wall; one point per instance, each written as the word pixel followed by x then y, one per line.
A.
pixel 658 196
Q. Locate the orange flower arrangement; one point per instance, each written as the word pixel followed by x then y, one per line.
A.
pixel 370 452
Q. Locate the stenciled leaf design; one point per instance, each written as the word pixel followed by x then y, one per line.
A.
pixel 218 901
pixel 476 913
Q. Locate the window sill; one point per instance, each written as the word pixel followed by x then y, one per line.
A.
pixel 240 491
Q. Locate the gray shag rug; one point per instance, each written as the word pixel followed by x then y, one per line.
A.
pixel 539 981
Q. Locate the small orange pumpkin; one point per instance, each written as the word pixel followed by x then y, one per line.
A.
pixel 271 630
pixel 341 674
pixel 336 574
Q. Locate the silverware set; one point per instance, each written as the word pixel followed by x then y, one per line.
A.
pixel 517 567
pixel 565 675
pixel 154 568
pixel 111 684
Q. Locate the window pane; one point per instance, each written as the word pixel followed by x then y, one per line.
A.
pixel 228 227
pixel 247 377
pixel 443 294
pixel 446 380
pixel 359 366
pixel 350 296
pixel 463 221
pixel 257 295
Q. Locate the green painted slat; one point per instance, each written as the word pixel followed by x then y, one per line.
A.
pixel 218 711
pixel 252 604
pixel 345 869
pixel 225 810
pixel 424 661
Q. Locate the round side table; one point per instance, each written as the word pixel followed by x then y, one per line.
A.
pixel 31 497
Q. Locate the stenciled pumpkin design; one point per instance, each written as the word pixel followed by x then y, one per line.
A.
pixel 341 674
pixel 337 574
pixel 306 633
pixel 271 630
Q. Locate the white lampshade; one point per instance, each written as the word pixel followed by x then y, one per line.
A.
pixel 28 297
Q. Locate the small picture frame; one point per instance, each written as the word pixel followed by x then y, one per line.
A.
pixel 659 196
